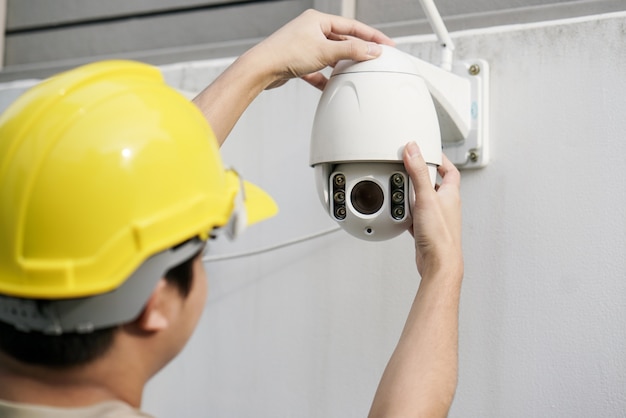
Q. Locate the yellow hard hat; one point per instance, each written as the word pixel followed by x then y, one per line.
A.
pixel 100 168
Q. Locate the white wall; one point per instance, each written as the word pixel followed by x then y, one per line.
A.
pixel 306 330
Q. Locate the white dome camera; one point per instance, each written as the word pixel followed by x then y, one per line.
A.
pixel 368 112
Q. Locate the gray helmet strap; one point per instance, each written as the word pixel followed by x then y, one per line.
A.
pixel 83 315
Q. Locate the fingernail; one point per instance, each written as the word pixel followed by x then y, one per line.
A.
pixel 412 149
pixel 373 50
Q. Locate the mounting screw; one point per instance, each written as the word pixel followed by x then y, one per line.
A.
pixel 473 156
pixel 474 69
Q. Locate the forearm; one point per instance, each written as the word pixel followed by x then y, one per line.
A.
pixel 224 101
pixel 421 376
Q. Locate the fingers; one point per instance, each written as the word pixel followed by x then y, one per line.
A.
pixel 358 50
pixel 344 26
pixel 325 38
pixel 317 80
pixel 338 48
pixel 353 39
pixel 416 168
pixel 449 173
pixel 353 49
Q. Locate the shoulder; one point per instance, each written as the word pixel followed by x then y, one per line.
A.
pixel 110 409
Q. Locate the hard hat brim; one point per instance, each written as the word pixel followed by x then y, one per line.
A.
pixel 259 204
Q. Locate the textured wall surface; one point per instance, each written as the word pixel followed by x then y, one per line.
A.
pixel 306 330
pixel 44 37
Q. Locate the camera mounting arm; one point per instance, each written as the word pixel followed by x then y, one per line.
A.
pixel 461 99
pixel 460 92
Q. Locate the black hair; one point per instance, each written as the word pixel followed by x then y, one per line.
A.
pixel 55 351
pixel 77 349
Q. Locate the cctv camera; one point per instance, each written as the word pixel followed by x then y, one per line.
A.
pixel 366 115
pixel 371 200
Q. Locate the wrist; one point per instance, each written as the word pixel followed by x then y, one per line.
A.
pixel 266 72
pixel 449 270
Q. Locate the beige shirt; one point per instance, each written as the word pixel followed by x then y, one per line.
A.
pixel 110 409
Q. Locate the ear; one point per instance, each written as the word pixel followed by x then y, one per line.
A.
pixel 156 314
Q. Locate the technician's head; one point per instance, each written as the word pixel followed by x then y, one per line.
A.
pixel 110 183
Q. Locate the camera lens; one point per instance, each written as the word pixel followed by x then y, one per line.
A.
pixel 367 197
pixel 340 196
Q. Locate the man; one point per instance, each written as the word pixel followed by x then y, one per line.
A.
pixel 110 184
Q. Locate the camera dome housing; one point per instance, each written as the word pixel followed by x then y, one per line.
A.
pixel 366 115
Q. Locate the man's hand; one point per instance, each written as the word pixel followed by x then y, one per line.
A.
pixel 301 48
pixel 314 41
pixel 420 378
pixel 436 214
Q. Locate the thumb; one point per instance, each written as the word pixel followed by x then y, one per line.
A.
pixel 357 50
pixel 416 168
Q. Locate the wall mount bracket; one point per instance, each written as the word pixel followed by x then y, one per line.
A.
pixel 473 150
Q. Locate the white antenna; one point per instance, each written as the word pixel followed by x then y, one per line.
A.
pixel 434 18
pixel 348 8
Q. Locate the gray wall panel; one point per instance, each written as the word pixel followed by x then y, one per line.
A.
pixel 405 17
pixel 2 25
pixel 375 11
pixel 252 20
pixel 45 36
pixel 40 13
